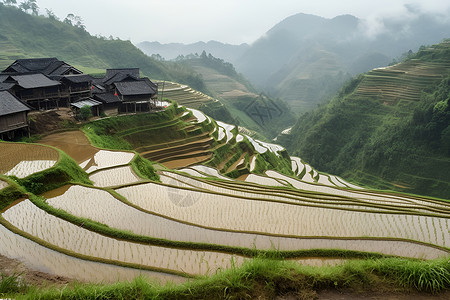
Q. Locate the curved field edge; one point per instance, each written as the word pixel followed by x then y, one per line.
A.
pixel 247 252
pixel 271 278
pixel 291 193
pixel 65 170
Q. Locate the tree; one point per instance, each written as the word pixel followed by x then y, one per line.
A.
pixel 10 2
pixel 51 15
pixel 34 7
pixel 25 6
pixel 85 112
pixel 74 20
pixel 29 4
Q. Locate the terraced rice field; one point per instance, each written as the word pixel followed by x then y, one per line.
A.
pixel 116 176
pixel 197 220
pixel 403 81
pixel 71 237
pixel 282 218
pixel 37 257
pixel 182 94
pixel 22 160
pixel 106 159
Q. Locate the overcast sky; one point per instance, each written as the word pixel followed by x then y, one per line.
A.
pixel 227 21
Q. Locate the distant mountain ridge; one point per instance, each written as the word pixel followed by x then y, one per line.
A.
pixel 170 51
pixel 305 59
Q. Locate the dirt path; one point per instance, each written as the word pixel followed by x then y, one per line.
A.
pixel 10 267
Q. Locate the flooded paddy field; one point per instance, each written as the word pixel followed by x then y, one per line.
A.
pixel 71 237
pixel 116 214
pixel 199 205
pixel 40 258
pixel 113 177
pixel 259 216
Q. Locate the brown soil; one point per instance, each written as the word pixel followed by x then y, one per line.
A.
pixel 74 143
pixel 10 267
pixel 50 120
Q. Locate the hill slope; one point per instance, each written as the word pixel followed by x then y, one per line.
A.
pixel 26 36
pixel 255 111
pixel 388 128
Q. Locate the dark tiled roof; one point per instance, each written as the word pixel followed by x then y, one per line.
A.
pixel 30 81
pixel 10 104
pixel 77 78
pixel 47 66
pixel 107 98
pixel 6 86
pixel 130 71
pixel 129 88
pixel 120 77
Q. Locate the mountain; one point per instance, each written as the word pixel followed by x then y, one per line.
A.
pixel 250 109
pixel 305 58
pixel 171 51
pixel 388 128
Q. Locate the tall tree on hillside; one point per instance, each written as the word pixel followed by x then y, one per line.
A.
pixel 10 2
pixel 74 20
pixel 34 7
pixel 25 6
pixel 51 15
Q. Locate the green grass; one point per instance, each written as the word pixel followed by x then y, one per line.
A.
pixel 12 284
pixel 65 170
pixel 144 168
pixel 268 278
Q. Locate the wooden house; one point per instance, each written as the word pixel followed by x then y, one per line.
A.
pixel 13 115
pixel 126 90
pixel 37 90
pixel 77 87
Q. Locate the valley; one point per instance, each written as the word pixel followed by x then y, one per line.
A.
pixel 288 174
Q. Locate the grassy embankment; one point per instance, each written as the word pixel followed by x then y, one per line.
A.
pixel 261 277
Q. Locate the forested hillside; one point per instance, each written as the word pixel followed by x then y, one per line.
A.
pixel 388 128
pixel 25 36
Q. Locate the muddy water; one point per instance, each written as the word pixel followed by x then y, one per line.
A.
pixel 37 257
pixel 74 143
pixel 186 162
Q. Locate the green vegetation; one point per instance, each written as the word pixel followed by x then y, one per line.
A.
pixel 12 284
pixel 85 112
pixel 268 278
pixel 388 142
pixel 10 193
pixel 144 168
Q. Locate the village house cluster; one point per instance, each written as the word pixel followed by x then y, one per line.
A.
pixel 48 83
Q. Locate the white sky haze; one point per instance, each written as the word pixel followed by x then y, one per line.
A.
pixel 227 21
